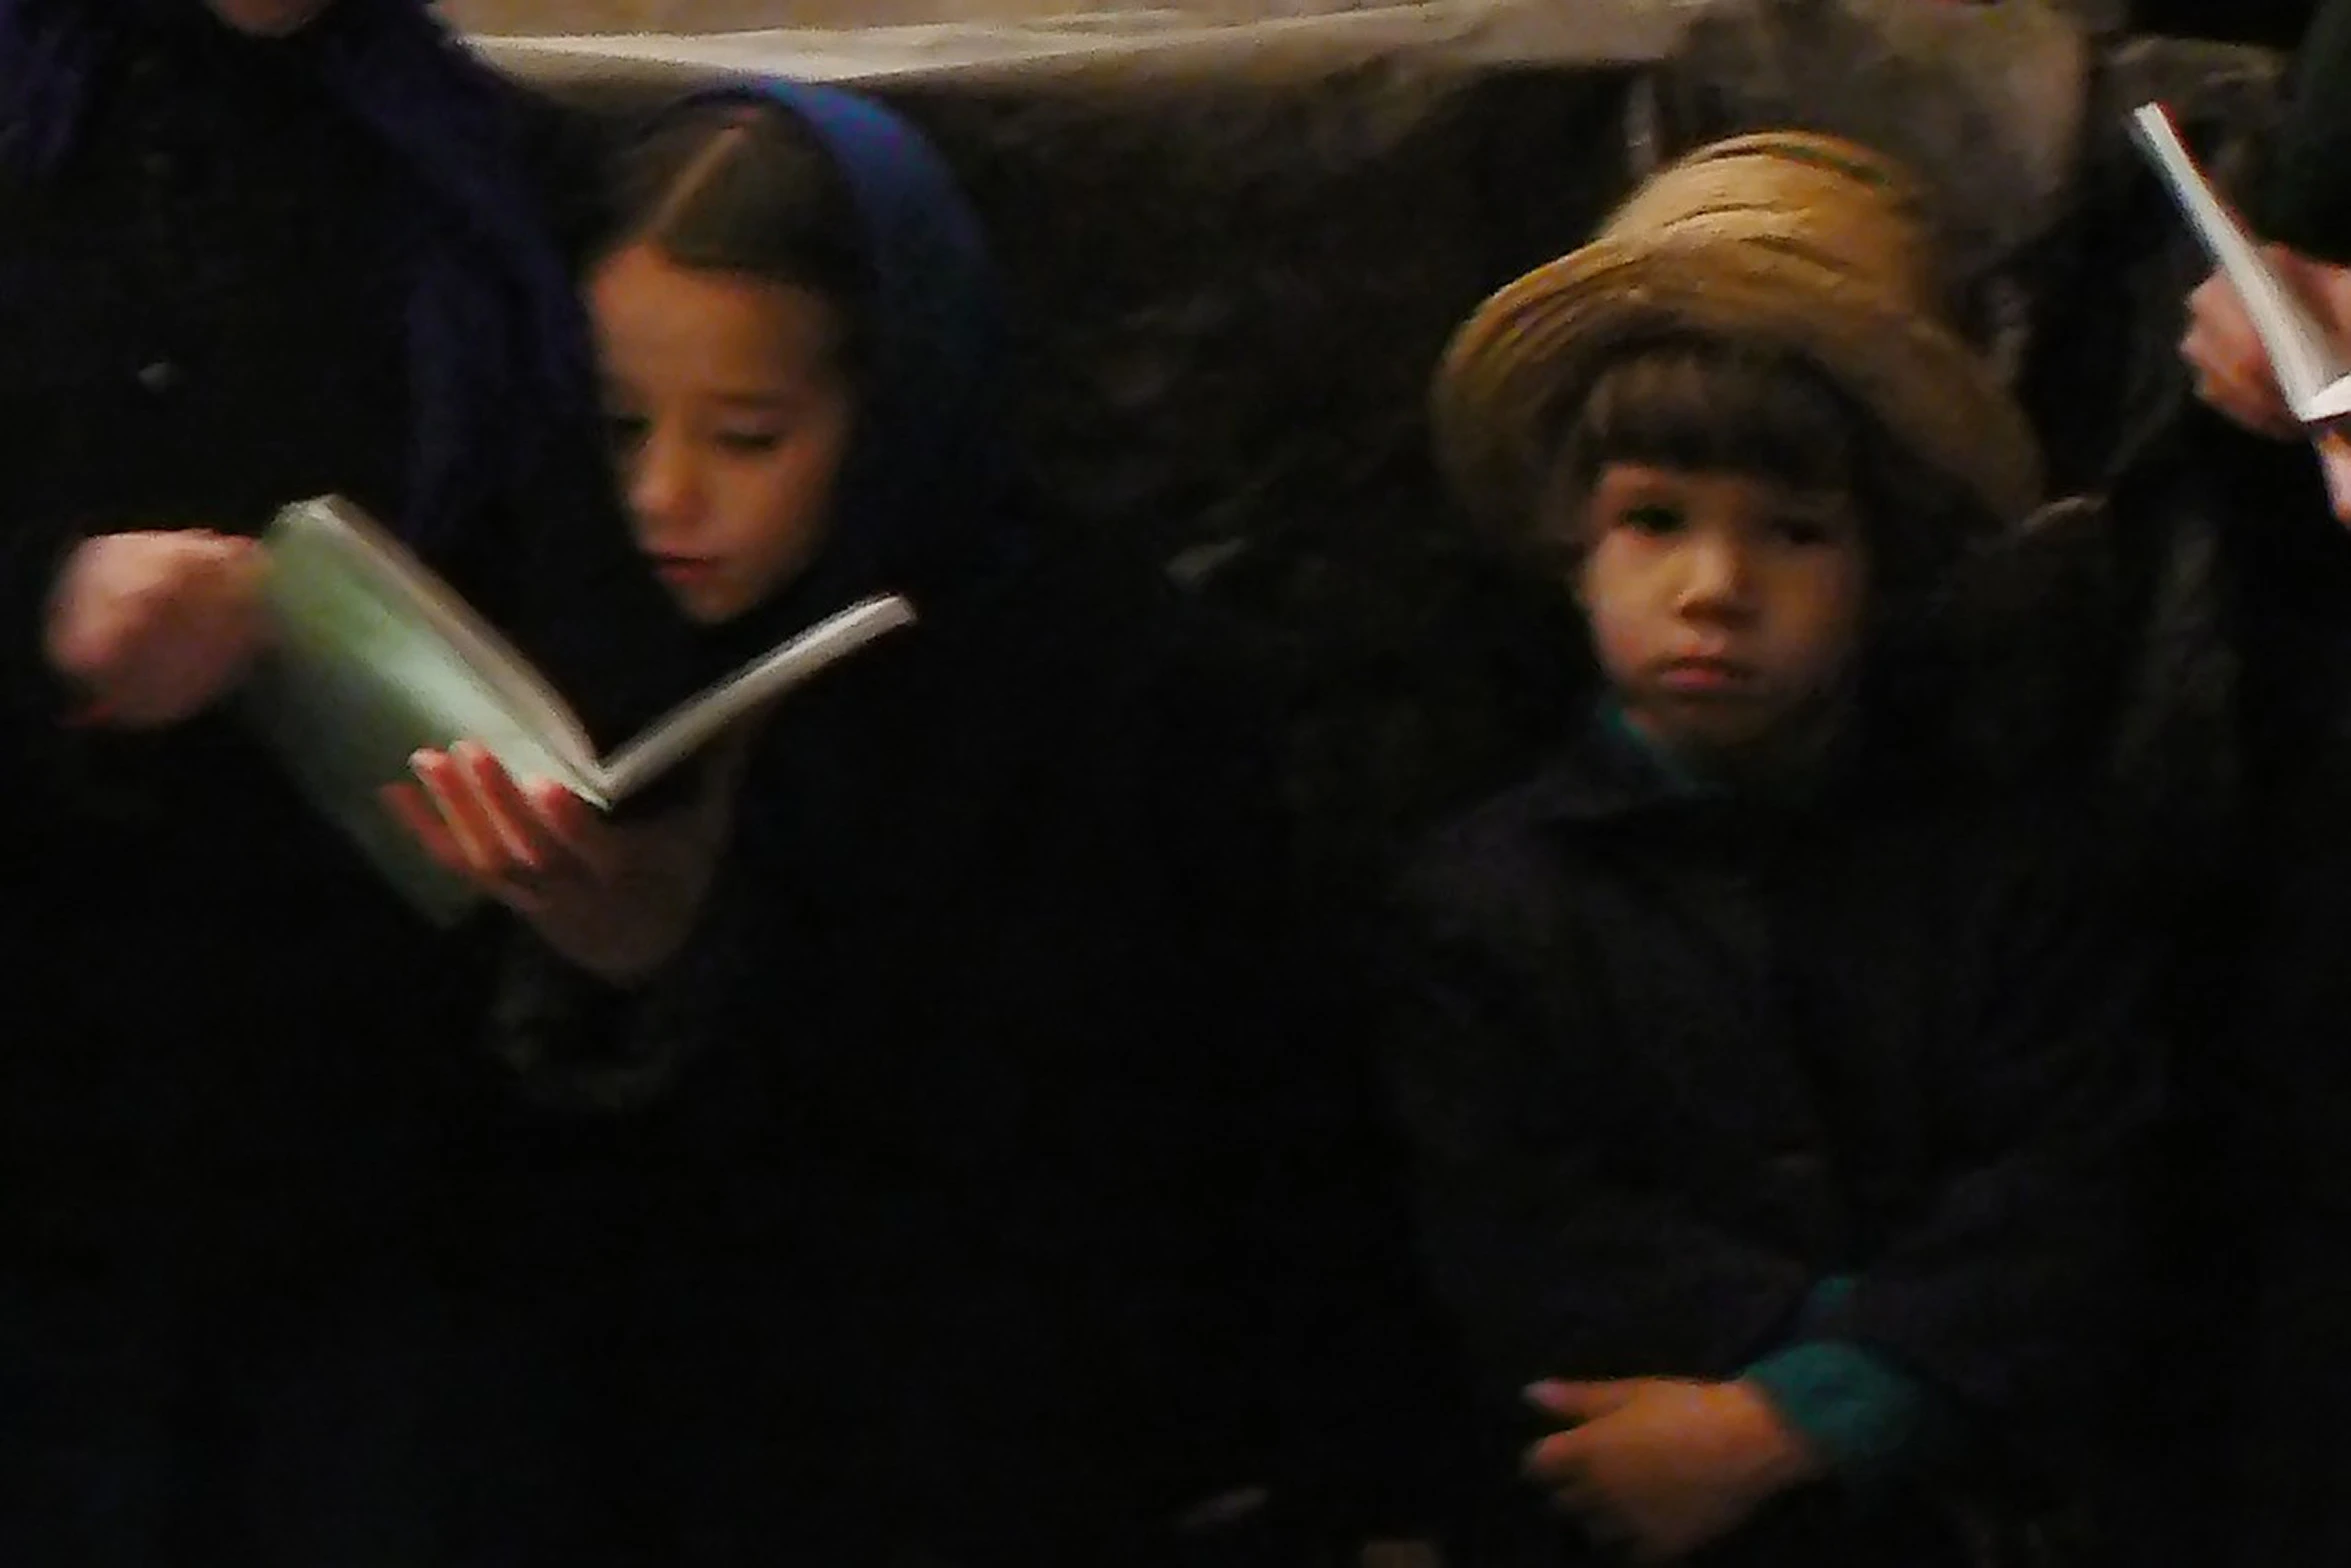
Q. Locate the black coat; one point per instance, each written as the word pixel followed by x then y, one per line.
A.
pixel 2222 738
pixel 1000 1187
pixel 1671 1062
pixel 228 1043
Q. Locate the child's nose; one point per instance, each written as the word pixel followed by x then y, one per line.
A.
pixel 662 487
pixel 1716 574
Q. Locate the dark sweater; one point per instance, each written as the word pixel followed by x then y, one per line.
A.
pixel 2305 200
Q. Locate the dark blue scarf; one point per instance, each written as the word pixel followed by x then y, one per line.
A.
pixel 498 344
pixel 925 501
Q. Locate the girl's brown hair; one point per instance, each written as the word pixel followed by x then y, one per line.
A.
pixel 745 187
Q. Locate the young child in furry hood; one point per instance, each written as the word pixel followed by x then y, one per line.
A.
pixel 1775 1079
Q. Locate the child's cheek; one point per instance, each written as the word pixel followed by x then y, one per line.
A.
pixel 1616 643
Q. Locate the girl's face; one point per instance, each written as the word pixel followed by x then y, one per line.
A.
pixel 729 415
pixel 268 18
pixel 1724 609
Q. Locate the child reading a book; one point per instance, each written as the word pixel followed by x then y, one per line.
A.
pixel 984 1169
pixel 1775 1086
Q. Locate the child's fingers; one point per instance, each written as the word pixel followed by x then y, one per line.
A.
pixel 453 796
pixel 1581 1401
pixel 571 822
pixel 1559 1461
pixel 504 807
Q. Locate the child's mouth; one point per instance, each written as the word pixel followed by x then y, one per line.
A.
pixel 683 570
pixel 1706 674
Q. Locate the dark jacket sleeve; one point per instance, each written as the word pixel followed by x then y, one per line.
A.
pixel 30 558
pixel 2306 197
pixel 1536 1243
pixel 2012 1290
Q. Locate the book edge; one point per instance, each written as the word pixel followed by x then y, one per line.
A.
pixel 465 631
pixel 693 723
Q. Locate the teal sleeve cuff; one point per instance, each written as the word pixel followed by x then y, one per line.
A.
pixel 1862 1414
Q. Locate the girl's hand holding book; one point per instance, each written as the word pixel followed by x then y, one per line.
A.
pixel 615 899
pixel 541 850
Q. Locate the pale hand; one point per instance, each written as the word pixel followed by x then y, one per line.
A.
pixel 541 850
pixel 2232 370
pixel 615 900
pixel 1664 1466
pixel 155 627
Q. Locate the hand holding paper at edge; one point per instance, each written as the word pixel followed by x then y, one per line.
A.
pixel 2309 363
pixel 2231 370
pixel 2266 331
pixel 2234 376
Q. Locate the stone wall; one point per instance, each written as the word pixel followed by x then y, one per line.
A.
pixel 1230 294
pixel 703 16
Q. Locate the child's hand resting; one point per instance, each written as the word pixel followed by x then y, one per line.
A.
pixel 1661 1465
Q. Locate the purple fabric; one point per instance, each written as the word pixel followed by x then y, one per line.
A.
pixel 498 343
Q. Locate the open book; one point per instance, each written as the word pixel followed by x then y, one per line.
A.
pixel 2313 371
pixel 373 657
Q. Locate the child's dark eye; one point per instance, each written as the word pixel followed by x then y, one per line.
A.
pixel 1803 533
pixel 624 430
pixel 748 443
pixel 1656 521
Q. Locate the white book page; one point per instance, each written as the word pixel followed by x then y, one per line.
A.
pixel 2312 371
pixel 689 727
pixel 2328 404
pixel 511 677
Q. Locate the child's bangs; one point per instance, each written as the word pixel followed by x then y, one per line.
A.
pixel 1708 407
